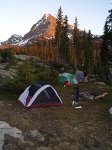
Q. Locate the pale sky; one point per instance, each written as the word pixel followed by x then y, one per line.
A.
pixel 18 16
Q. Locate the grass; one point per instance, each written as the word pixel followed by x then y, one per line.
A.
pixel 65 128
pixel 8 96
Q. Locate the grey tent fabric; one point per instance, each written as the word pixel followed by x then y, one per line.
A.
pixel 79 75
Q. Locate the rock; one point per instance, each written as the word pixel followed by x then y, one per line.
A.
pixel 1 103
pixel 100 83
pixel 110 110
pixel 44 148
pixel 6 129
pixel 11 143
pixel 36 134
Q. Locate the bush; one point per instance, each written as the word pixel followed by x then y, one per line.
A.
pixel 49 76
pixel 7 55
pixel 55 65
pixel 26 75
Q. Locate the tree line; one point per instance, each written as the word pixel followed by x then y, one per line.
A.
pixel 70 46
pixel 73 47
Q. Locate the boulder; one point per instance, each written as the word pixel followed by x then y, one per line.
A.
pixel 6 129
pixel 110 110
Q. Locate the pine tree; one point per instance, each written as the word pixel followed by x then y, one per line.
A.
pixel 58 32
pixel 24 76
pixel 76 39
pixel 106 47
pixel 84 48
pixel 110 34
pixel 64 42
pixel 89 52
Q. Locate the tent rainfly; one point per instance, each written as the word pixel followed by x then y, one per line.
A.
pixel 63 77
pixel 40 95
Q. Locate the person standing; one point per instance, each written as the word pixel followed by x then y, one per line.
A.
pixel 76 94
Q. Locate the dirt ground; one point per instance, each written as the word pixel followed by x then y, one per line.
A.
pixel 64 128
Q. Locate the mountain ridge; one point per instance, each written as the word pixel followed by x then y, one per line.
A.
pixel 42 29
pixel 45 27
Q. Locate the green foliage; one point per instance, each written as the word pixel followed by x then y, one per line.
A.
pixel 61 38
pixel 7 55
pixel 4 81
pixel 88 53
pixel 58 28
pixel 81 50
pixel 106 47
pixel 24 76
pixel 103 73
pixel 8 85
pixel 64 42
pixel 7 66
pixel 24 71
pixel 48 76
pixel 55 65
pixel 76 41
pixel 58 32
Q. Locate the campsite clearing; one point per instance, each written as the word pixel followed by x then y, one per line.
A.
pixel 64 128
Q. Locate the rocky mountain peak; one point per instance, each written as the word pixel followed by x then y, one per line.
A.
pixel 44 28
pixel 13 40
pixel 46 16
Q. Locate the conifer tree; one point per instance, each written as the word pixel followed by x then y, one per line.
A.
pixel 106 47
pixel 24 76
pixel 84 48
pixel 64 42
pixel 89 52
pixel 110 34
pixel 76 39
pixel 58 32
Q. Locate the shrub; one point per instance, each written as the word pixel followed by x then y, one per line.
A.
pixel 48 76
pixel 7 55
pixel 24 76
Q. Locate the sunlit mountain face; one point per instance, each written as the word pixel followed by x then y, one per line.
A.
pixel 43 29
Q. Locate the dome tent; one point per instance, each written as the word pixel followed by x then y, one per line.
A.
pixel 40 95
pixel 63 77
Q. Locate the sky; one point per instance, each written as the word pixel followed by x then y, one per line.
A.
pixel 18 16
